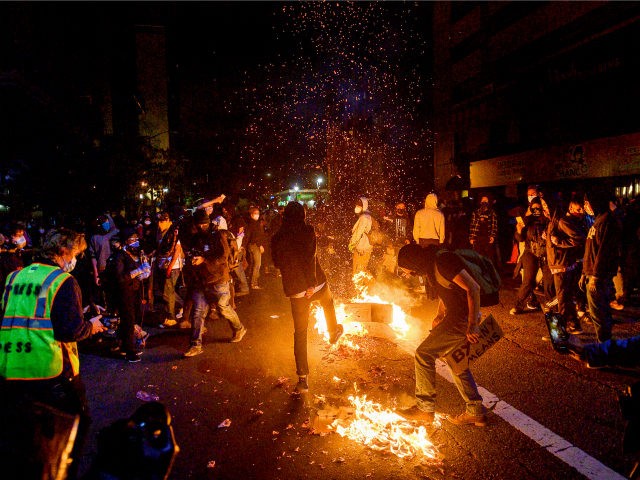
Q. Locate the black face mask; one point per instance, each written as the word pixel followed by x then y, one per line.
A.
pixel 401 213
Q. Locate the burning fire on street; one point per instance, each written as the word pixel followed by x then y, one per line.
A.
pixel 362 282
pixel 366 422
pixel 383 430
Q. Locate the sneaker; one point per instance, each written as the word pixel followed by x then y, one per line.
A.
pixel 302 386
pixel 193 351
pixel 169 322
pixel 133 357
pixel 516 311
pixel 479 420
pixel 574 329
pixel 238 335
pixel 531 308
pixel 415 414
pixel 179 314
pixel 256 287
pixel 616 306
pixel 184 324
pixel 336 335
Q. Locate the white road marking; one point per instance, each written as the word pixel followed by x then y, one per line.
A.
pixel 588 466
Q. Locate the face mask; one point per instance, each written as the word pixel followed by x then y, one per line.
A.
pixel 357 209
pixel 255 217
pixel 105 226
pixel 135 244
pixel 400 213
pixel 147 222
pixel 41 230
pixel 68 266
pixel 530 197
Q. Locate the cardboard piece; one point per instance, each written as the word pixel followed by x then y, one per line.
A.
pixel 369 312
pixel 458 358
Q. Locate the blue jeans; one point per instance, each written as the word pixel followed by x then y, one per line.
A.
pixel 444 337
pixel 220 296
pixel 242 285
pixel 599 308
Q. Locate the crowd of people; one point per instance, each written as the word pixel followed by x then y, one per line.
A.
pixel 182 266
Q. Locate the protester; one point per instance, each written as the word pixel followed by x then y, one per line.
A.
pixel 566 238
pixel 254 241
pixel 600 265
pixel 532 231
pixel 428 223
pixel 484 230
pixel 210 277
pixel 359 244
pixel 124 275
pixel 293 248
pixel 457 320
pixel 40 327
pixel 168 266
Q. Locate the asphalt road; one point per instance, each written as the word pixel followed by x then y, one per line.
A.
pixel 269 436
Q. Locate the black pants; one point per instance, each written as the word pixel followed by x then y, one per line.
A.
pixel 566 287
pixel 530 266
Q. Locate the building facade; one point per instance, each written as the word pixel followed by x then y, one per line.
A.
pixel 539 92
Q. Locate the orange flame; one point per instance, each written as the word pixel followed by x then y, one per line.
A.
pixel 384 430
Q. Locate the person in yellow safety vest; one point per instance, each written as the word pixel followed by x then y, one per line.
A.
pixel 42 321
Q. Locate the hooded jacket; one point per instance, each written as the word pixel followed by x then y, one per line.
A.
pixel 429 221
pixel 360 231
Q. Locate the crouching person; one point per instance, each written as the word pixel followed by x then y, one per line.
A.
pixel 457 320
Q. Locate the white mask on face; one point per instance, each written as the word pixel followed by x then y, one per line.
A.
pixel 530 197
pixel 68 266
pixel 255 216
pixel 20 241
pixel 358 209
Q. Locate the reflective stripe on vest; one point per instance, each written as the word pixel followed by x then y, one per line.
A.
pixel 28 349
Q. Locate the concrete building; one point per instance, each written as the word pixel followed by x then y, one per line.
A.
pixel 540 92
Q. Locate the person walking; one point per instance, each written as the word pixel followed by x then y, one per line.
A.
pixel 359 243
pixel 210 282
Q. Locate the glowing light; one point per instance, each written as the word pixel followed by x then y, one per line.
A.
pixel 382 429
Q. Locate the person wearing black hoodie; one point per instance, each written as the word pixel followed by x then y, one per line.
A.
pixel 293 249
pixel 600 264
pixel 457 320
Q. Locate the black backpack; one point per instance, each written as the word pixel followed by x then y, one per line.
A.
pixel 482 271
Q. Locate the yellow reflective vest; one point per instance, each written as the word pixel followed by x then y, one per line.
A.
pixel 28 349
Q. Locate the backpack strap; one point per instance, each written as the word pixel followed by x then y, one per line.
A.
pixel 439 277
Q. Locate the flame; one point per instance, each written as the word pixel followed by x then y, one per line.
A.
pixel 362 281
pixel 384 430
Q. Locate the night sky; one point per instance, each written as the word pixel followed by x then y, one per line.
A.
pixel 255 88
